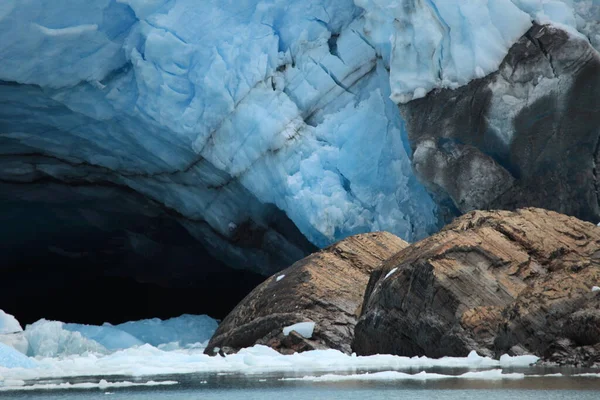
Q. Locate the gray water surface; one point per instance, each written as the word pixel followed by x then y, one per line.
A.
pixel 271 386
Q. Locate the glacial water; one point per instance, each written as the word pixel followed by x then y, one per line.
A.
pixel 278 386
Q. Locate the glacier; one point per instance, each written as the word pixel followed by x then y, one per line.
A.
pixel 446 44
pixel 223 113
pixel 216 111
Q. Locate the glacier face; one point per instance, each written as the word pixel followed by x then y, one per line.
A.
pixel 214 110
pixel 223 112
pixel 434 44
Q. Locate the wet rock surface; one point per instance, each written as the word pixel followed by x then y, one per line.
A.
pixel 526 135
pixel 326 288
pixel 497 282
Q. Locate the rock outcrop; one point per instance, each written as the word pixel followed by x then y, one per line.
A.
pixel 326 288
pixel 495 282
pixel 524 136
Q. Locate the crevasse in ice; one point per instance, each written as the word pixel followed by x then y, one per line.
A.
pixel 216 108
pixel 213 109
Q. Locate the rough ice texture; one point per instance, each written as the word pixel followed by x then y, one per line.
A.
pixel 147 360
pixel 11 358
pixel 184 330
pixel 59 339
pixel 447 43
pixel 214 111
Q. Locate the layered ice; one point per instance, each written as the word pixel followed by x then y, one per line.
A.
pixel 218 110
pixel 214 110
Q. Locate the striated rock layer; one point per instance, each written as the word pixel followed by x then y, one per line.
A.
pixel 495 282
pixel 325 288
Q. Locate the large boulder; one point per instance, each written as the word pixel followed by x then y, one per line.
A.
pixel 325 288
pixel 496 282
pixel 524 136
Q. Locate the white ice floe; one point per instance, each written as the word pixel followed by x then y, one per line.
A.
pixel 19 385
pixel 494 374
pixel 304 329
pixel 55 338
pixel 147 360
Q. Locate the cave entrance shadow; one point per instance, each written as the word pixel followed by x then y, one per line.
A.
pixel 95 258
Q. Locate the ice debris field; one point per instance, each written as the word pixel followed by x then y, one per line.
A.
pixel 153 347
pixel 215 110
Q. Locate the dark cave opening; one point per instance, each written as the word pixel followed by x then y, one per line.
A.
pixel 70 293
pixel 105 255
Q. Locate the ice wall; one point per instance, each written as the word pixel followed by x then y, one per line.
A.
pixel 217 109
pixel 213 109
pixel 447 43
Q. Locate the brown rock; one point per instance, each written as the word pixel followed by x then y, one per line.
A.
pixel 326 287
pixel 495 282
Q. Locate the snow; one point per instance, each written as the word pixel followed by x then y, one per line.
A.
pixel 595 288
pixel 304 329
pixel 280 277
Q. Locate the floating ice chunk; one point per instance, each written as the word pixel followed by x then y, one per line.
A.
pixel 51 339
pixel 147 360
pixel 517 361
pixel 9 324
pixel 11 333
pixel 186 330
pixel 304 329
pixel 103 384
pixel 11 358
pixel 108 336
pixel 495 374
pixel 595 288
pixel 390 273
pixel 280 277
